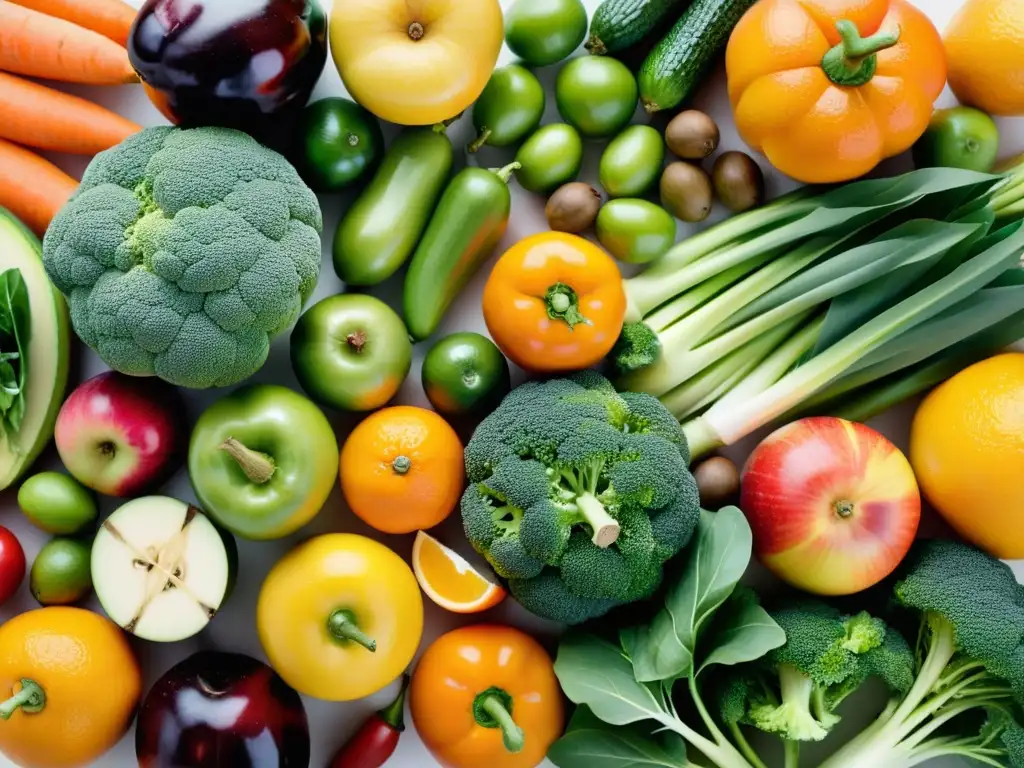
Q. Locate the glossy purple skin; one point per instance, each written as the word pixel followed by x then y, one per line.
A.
pixel 245 64
pixel 222 710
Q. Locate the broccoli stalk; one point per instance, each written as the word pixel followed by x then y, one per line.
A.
pixel 577 487
pixel 966 698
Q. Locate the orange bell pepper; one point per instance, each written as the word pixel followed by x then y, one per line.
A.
pixel 554 302
pixel 828 88
pixel 486 696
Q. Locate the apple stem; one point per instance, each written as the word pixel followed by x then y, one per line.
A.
pixel 342 626
pixel 844 508
pixel 356 340
pixel 258 467
pixel 31 699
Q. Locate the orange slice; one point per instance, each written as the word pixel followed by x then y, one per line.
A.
pixel 449 580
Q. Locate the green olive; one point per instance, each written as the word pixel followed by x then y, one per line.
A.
pixel 549 158
pixel 635 231
pixel 510 107
pixel 543 32
pixel 597 95
pixel 631 164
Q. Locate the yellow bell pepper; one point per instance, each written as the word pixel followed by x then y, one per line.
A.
pixel 340 617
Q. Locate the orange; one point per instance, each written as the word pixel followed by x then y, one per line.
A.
pixel 402 469
pixel 449 580
pixel 967 449
pixel 985 54
pixel 88 675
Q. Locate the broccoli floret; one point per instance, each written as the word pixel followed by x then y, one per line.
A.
pixel 647 414
pixel 183 252
pixel 966 694
pixel 548 596
pixel 582 476
pixel 638 346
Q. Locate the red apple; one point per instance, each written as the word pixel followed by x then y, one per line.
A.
pixel 834 506
pixel 121 435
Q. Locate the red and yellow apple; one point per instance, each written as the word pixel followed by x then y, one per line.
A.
pixel 833 505
pixel 121 435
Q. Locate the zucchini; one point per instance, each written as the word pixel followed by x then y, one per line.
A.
pixel 618 24
pixel 681 60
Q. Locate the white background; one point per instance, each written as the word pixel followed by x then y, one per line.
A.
pixel 234 629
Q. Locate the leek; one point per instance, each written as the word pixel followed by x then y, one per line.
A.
pixel 844 301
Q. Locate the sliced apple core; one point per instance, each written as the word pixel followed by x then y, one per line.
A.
pixel 160 568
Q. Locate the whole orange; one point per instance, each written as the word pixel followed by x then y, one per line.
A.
pixel 89 682
pixel 402 469
pixel 967 449
pixel 985 52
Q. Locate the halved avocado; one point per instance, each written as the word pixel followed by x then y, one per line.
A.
pixel 49 349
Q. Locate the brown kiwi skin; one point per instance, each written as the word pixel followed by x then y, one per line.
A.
pixel 738 181
pixel 718 481
pixel 692 135
pixel 573 207
pixel 686 191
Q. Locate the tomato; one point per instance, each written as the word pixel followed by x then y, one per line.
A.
pixel 465 373
pixel 12 565
pixel 554 302
pixel 960 137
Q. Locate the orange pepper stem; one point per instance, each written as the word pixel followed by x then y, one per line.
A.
pixel 563 304
pixel 401 465
pixel 258 467
pixel 31 699
pixel 493 709
pixel 853 61
pixel 343 627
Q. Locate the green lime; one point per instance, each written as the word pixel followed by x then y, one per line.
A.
pixel 960 137
pixel 57 503
pixel 465 373
pixel 61 573
pixel 338 143
pixel 596 94
pixel 543 32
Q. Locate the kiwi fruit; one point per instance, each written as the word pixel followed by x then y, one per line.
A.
pixel 686 191
pixel 738 181
pixel 692 135
pixel 573 207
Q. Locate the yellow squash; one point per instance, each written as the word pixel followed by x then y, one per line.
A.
pixel 340 617
pixel 416 62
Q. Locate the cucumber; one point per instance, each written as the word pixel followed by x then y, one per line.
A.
pixel 681 60
pixel 618 24
pixel 381 229
pixel 470 220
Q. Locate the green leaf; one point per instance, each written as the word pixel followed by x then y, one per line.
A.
pixel 590 743
pixel 596 673
pixel 742 631
pixel 715 562
pixel 15 334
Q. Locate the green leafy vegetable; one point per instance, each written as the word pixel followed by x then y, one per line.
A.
pixel 591 743
pixel 15 334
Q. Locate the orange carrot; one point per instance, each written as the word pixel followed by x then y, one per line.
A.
pixel 111 18
pixel 37 45
pixel 32 188
pixel 38 116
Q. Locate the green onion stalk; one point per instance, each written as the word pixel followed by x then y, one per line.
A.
pixel 842 301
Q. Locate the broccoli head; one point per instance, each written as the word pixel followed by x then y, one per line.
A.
pixel 574 484
pixel 183 252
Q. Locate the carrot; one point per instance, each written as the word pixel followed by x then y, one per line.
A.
pixel 37 45
pixel 32 188
pixel 38 116
pixel 111 18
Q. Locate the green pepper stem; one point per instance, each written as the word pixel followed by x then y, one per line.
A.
pixel 394 713
pixel 258 467
pixel 31 699
pixel 493 709
pixel 401 465
pixel 506 173
pixel 342 626
pixel 479 141
pixel 853 61
pixel 563 304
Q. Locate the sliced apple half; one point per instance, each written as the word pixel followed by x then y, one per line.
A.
pixel 161 569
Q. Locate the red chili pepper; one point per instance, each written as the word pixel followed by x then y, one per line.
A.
pixel 377 739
